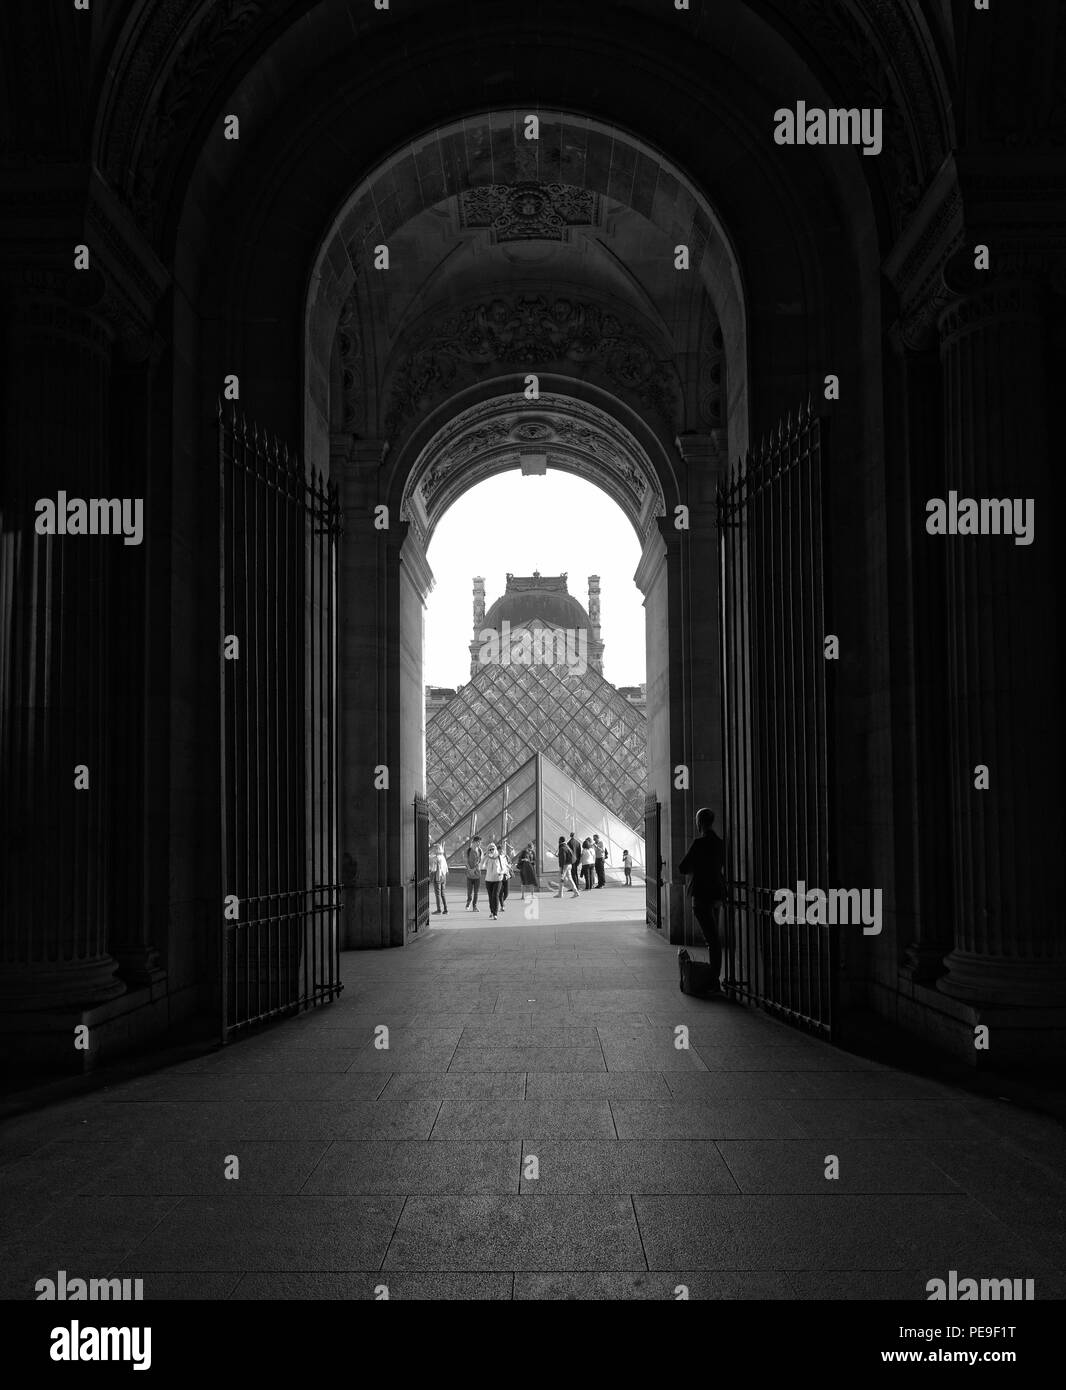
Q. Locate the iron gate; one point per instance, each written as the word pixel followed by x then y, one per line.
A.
pixel 421 863
pixel 653 865
pixel 775 718
pixel 278 576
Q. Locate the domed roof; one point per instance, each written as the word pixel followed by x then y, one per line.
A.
pixel 529 597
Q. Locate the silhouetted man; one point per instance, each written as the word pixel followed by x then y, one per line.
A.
pixel 599 849
pixel 574 845
pixel 705 861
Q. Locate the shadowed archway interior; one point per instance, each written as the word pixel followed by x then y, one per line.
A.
pixel 415 248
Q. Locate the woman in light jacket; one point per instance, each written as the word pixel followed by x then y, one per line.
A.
pixel 493 875
pixel 507 857
pixel 588 863
pixel 438 872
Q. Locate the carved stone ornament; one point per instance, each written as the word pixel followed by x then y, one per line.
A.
pixel 489 437
pixel 528 211
pixel 535 332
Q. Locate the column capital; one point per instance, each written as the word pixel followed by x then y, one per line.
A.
pixel 125 280
pixel 1017 210
pixel 357 466
pixel 413 559
pixel 978 301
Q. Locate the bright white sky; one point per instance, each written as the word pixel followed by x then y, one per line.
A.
pixel 556 524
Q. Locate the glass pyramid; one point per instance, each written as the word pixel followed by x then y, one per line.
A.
pixel 506 714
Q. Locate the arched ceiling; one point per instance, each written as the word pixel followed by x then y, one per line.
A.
pixel 555 253
pixel 509 432
pixel 169 62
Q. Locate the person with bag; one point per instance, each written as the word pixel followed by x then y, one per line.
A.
pixel 438 864
pixel 507 867
pixel 565 860
pixel 475 858
pixel 525 871
pixel 588 863
pixel 493 875
pixel 705 861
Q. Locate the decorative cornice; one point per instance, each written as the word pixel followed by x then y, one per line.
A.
pixel 997 302
pixel 125 281
pixel 867 58
pixel 915 265
pixel 136 279
pixel 413 559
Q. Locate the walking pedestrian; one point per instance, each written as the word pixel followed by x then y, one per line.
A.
pixel 627 867
pixel 439 874
pixel 507 868
pixel 565 860
pixel 475 858
pixel 575 859
pixel 493 874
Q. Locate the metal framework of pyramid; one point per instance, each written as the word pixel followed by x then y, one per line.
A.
pixel 506 714
pixel 536 804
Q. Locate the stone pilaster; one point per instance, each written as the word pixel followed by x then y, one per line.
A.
pixel 1003 658
pixel 925 818
pixel 133 931
pixel 55 889
pixel 367 624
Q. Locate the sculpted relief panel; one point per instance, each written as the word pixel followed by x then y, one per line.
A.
pixel 532 331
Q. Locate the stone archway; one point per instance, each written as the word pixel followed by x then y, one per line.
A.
pixel 429 309
pixel 506 432
pixel 573 167
pixel 502 433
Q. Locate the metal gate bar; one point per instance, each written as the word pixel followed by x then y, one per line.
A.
pixel 653 865
pixel 771 532
pixel 278 541
pixel 421 864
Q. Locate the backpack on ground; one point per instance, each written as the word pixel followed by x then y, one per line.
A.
pixel 696 976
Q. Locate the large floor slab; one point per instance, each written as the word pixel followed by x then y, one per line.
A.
pixel 551 1119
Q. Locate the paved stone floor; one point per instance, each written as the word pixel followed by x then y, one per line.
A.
pixel 551 1039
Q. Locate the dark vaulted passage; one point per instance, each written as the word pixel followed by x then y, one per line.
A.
pixel 280 283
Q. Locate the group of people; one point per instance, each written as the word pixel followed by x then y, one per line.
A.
pixel 496 865
pixel 705 861
pixel 589 858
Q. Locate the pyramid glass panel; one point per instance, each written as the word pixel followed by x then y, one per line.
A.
pixel 510 711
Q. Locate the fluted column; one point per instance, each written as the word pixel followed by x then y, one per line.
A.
pixel 54 681
pixel 367 663
pixel 928 810
pixel 133 939
pixel 1009 946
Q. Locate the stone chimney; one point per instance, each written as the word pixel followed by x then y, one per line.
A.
pixel 479 623
pixel 595 640
pixel 479 604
